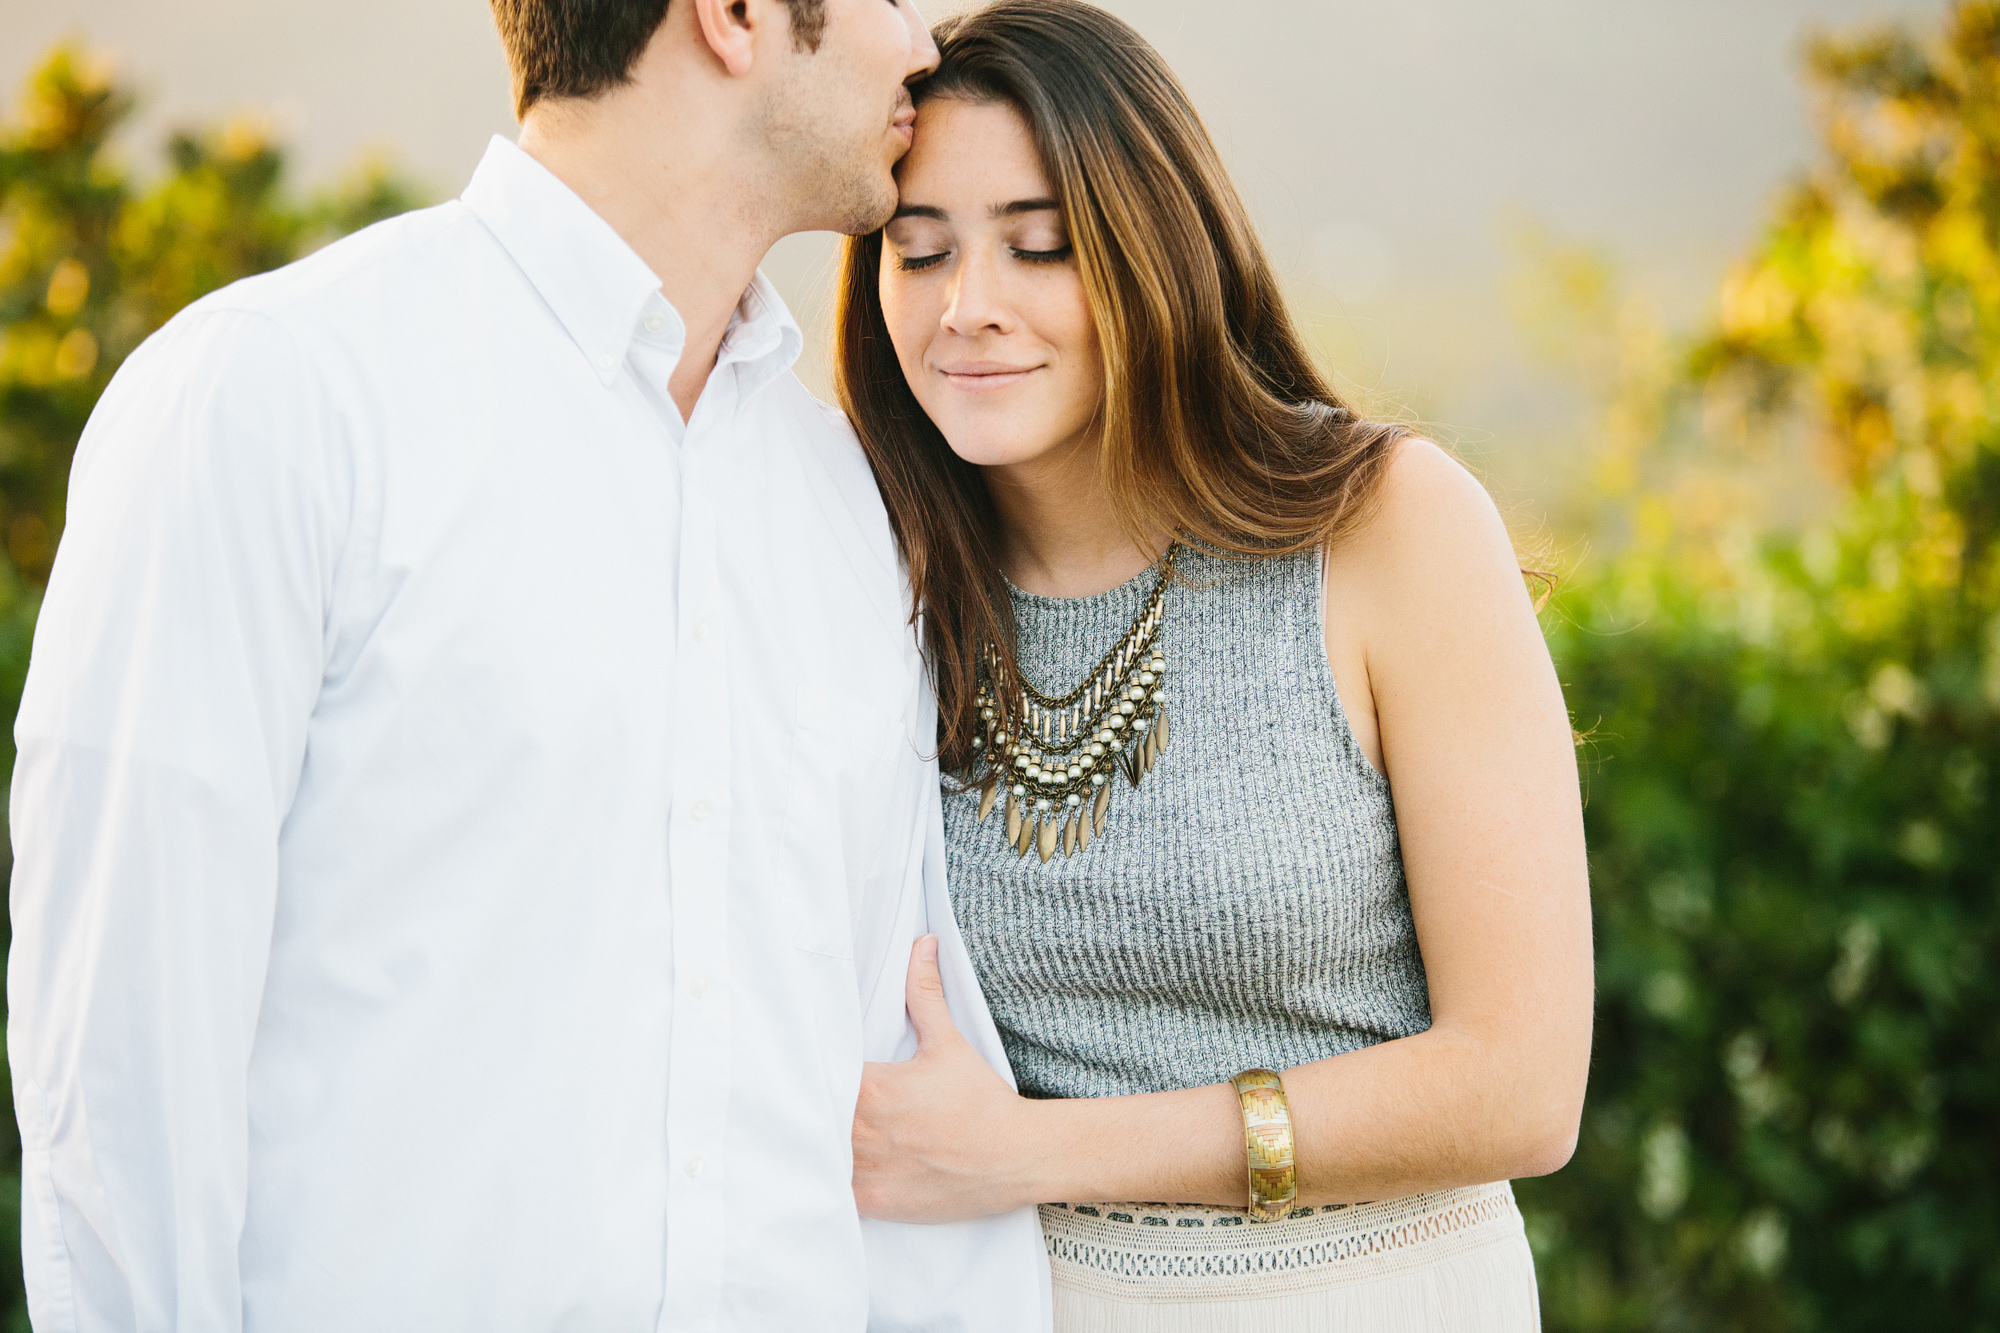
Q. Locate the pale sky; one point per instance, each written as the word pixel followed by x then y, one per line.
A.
pixel 1386 148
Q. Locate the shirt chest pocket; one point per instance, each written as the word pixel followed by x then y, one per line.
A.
pixel 850 801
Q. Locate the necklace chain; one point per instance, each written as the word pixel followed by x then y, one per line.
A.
pixel 1055 770
pixel 1103 669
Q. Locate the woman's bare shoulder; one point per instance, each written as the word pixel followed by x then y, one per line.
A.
pixel 1430 528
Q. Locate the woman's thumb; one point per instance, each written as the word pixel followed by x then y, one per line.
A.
pixel 924 995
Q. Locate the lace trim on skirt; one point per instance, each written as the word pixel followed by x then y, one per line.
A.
pixel 1183 1252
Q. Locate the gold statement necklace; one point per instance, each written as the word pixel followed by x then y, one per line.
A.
pixel 1056 769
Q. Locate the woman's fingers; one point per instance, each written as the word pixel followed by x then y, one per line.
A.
pixel 939 1136
pixel 924 995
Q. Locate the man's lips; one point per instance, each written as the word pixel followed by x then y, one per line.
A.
pixel 905 125
pixel 984 376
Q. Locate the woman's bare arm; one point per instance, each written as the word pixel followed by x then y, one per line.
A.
pixel 1458 701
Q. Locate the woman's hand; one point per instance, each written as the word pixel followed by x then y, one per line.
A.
pixel 940 1136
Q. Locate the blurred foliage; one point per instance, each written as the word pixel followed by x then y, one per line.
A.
pixel 91 262
pixel 1794 733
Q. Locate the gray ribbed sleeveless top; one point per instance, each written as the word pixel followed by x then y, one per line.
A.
pixel 1245 906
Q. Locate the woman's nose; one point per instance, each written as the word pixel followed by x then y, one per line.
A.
pixel 976 298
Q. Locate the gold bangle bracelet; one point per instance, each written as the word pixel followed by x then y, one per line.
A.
pixel 1267 1144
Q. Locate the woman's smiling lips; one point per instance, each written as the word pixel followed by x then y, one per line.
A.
pixel 984 376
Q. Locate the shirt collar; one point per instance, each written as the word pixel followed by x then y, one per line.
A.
pixel 762 335
pixel 595 283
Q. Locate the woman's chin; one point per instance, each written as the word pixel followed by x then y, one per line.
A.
pixel 985 450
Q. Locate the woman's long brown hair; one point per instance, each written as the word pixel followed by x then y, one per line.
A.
pixel 1217 425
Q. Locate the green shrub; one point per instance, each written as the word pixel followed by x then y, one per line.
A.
pixel 1796 866
pixel 1794 843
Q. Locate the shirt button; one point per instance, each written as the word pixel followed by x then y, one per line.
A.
pixel 701 631
pixel 607 362
pixel 699 986
pixel 699 810
pixel 694 1165
pixel 654 323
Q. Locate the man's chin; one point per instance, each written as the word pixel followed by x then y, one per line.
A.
pixel 869 209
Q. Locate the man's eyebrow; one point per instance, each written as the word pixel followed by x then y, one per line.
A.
pixel 1020 206
pixel 921 211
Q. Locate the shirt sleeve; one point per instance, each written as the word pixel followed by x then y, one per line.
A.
pixel 176 663
pixel 990 1274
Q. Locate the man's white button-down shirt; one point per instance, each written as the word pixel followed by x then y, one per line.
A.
pixel 470 827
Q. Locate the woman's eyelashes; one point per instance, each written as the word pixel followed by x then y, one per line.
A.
pixel 1055 256
pixel 916 263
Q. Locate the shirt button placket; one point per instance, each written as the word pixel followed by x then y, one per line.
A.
pixel 699 1069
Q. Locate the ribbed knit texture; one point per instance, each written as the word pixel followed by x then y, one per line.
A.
pixel 1245 906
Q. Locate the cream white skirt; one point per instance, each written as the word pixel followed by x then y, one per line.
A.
pixel 1452 1262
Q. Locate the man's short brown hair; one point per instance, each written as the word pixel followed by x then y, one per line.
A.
pixel 579 48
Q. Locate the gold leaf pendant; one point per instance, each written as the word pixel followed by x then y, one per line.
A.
pixel 1045 838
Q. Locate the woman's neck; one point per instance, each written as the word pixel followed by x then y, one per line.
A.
pixel 1057 536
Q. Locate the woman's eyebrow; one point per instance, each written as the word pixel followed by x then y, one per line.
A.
pixel 1020 206
pixel 1009 210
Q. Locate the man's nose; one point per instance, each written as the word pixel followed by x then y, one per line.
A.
pixel 923 51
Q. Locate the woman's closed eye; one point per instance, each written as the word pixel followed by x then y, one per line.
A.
pixel 918 263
